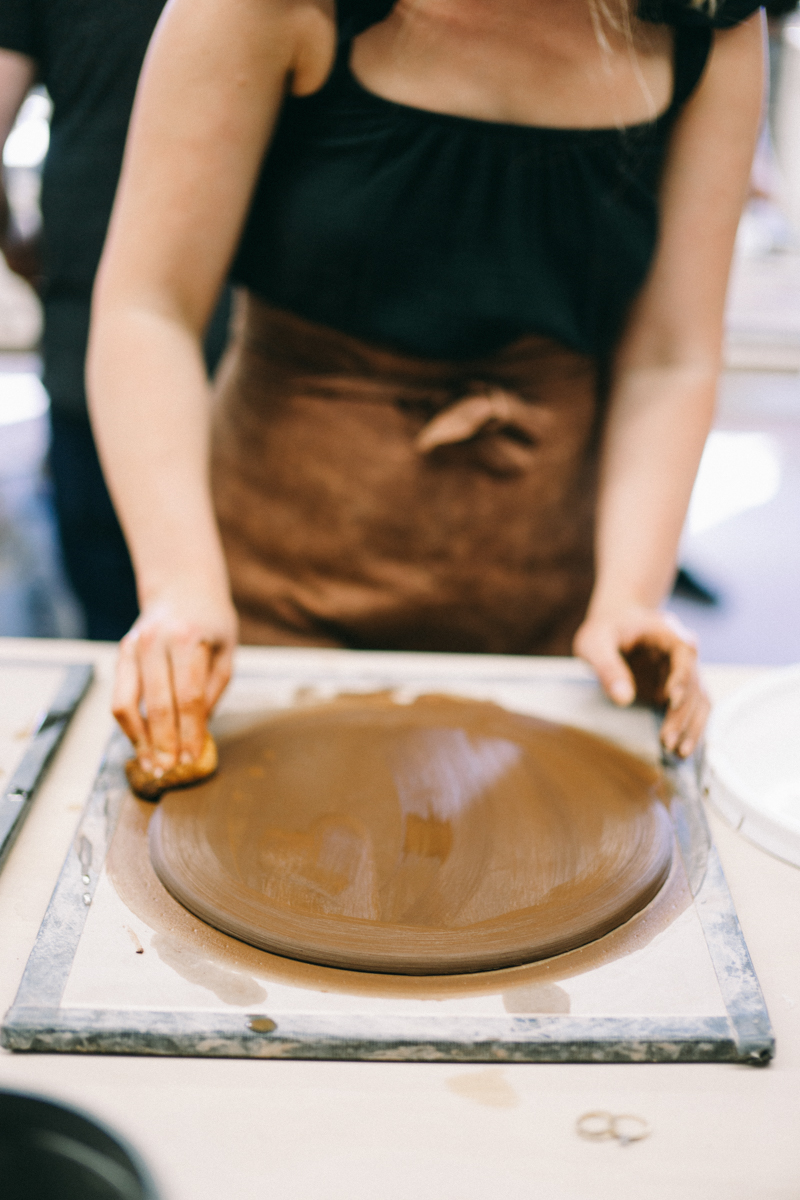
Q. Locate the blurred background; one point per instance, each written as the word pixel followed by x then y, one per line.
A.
pixel 739 587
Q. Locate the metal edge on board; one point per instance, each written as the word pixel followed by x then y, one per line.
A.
pixel 738 983
pixel 51 958
pixel 369 1038
pixel 18 796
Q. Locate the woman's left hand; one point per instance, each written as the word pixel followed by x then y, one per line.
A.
pixel 605 638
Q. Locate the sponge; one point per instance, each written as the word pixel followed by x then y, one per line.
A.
pixel 149 787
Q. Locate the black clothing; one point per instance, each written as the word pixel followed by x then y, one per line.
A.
pixel 89 54
pixel 357 15
pixel 93 548
pixel 448 237
pixel 683 12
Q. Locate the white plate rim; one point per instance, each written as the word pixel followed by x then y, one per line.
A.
pixel 738 803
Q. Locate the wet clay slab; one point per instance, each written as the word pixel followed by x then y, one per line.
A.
pixel 442 836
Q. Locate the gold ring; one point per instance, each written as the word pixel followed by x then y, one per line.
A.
pixel 596 1126
pixel 637 1130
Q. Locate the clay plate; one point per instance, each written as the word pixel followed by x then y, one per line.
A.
pixel 443 836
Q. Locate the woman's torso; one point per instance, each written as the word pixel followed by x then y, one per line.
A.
pixel 406 433
pixel 448 236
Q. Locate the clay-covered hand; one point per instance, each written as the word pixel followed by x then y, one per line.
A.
pixel 173 666
pixel 641 653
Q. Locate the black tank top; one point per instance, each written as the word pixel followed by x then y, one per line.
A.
pixel 449 237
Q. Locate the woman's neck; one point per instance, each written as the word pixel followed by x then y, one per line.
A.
pixel 529 62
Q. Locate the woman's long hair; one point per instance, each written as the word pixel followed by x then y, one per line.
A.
pixel 616 15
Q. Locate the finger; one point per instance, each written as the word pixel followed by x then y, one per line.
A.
pixel 190 669
pixel 127 696
pixel 159 701
pixel 219 676
pixel 683 727
pixel 696 728
pixel 676 724
pixel 682 677
pixel 613 672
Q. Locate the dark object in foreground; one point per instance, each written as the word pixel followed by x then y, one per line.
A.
pixel 688 586
pixel 48 1151
pixel 650 666
pixel 149 787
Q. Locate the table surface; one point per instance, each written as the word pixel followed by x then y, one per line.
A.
pixel 374 1131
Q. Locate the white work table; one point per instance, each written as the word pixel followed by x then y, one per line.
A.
pixel 297 1130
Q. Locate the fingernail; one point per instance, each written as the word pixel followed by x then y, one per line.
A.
pixel 186 757
pixel 158 772
pixel 685 748
pixel 622 692
pixel 669 740
pixel 146 764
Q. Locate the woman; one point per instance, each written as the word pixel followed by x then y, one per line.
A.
pixel 474 366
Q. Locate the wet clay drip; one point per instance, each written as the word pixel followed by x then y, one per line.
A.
pixel 438 837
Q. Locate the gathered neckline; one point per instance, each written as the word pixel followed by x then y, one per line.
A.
pixel 343 65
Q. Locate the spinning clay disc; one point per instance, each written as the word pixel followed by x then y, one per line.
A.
pixel 438 837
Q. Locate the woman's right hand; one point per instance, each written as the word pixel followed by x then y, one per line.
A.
pixel 173 666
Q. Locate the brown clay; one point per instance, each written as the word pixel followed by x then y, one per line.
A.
pixel 215 954
pixel 150 787
pixel 445 836
pixel 650 665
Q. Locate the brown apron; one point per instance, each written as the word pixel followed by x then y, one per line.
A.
pixel 373 500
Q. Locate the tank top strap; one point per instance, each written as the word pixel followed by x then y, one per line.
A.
pixel 692 48
pixel 688 12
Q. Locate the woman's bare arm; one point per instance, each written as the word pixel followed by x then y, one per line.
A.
pixel 665 383
pixel 211 88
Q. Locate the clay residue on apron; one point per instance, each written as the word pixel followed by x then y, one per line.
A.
pixel 443 836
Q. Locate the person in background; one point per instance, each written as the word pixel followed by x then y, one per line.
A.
pixel 88 54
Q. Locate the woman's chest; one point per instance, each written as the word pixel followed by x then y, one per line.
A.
pixel 557 63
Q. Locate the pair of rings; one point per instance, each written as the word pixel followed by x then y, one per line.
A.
pixel 602 1126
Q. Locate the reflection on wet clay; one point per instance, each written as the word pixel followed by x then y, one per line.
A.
pixel 427 836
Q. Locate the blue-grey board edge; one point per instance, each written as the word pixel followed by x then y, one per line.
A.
pixel 17 798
